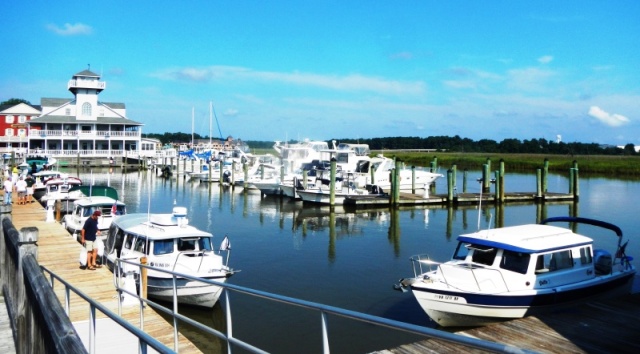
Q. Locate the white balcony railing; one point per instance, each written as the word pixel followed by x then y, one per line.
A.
pixel 74 134
pixel 100 85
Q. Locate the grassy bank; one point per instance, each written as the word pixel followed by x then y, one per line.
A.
pixel 618 166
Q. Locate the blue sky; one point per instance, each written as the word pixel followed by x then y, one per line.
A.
pixel 278 70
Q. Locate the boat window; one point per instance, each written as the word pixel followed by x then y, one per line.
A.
pixel 118 242
pixel 120 210
pixel 129 241
pixel 483 254
pixel 461 251
pixel 140 245
pixel 86 212
pixel 204 244
pixel 585 255
pixel 186 244
pixel 162 247
pixel 560 260
pixel 515 261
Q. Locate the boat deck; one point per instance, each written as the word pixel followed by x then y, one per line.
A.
pixel 606 326
pixel 58 251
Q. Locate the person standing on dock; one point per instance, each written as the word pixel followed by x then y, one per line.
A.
pixel 21 188
pixel 89 232
pixel 8 189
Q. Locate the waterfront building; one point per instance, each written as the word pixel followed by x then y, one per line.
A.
pixel 13 126
pixel 83 126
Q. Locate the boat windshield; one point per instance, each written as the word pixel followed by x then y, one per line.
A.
pixel 161 247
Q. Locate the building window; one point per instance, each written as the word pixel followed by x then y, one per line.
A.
pixel 22 132
pixel 8 132
pixel 22 119
pixel 9 119
pixel 86 109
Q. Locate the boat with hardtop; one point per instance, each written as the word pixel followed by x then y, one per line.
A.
pixel 512 272
pixel 170 244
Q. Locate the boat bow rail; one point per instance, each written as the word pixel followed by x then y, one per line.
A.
pixel 461 276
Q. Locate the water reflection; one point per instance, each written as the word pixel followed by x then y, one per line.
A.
pixel 345 257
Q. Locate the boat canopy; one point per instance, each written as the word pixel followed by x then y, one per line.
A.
pixel 533 238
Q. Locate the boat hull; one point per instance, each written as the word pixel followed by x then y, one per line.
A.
pixel 189 292
pixel 457 309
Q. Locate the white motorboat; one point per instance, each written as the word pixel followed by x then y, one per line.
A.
pixel 39 188
pixel 169 244
pixel 512 272
pixel 320 193
pixel 382 167
pixel 266 178
pixel 59 189
pixel 83 208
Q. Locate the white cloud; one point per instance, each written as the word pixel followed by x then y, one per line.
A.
pixel 612 120
pixel 353 82
pixel 71 30
pixel 546 59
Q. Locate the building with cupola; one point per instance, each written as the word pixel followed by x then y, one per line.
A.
pixel 84 125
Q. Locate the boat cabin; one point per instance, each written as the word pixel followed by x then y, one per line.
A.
pixel 160 237
pixel 529 256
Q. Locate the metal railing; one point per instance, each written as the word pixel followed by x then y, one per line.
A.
pixel 144 339
pixel 323 312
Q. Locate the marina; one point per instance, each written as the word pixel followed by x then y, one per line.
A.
pixel 330 241
pixel 559 329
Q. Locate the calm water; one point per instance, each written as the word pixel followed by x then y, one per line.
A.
pixel 289 249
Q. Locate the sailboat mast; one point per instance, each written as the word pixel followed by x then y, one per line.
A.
pixel 210 121
pixel 192 124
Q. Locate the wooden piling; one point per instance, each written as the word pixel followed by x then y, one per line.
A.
pixel 545 176
pixel 465 174
pixel 413 179
pixel 502 169
pixel 538 183
pixel 449 186
pixel 332 182
pixel 576 184
pixel 143 277
pixel 396 183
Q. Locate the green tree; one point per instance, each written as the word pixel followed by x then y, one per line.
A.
pixel 14 101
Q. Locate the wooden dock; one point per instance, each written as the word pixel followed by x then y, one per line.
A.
pixel 607 326
pixel 59 252
pixel 459 199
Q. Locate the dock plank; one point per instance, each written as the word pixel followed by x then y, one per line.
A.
pixel 59 252
pixel 604 326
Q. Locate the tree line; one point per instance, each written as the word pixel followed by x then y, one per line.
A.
pixel 446 143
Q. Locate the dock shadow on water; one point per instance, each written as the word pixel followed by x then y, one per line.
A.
pixel 211 317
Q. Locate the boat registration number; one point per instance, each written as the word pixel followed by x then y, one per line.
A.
pixel 449 298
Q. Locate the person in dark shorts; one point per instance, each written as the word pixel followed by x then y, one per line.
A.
pixel 89 233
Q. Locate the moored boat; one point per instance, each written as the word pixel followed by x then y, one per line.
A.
pixel 170 244
pixel 83 208
pixel 512 272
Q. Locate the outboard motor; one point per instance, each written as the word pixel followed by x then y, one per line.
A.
pixel 602 262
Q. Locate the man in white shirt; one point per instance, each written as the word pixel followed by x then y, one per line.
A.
pixel 21 188
pixel 8 189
